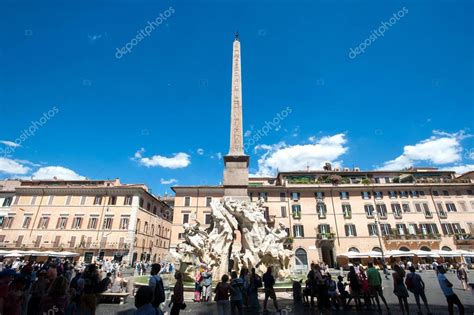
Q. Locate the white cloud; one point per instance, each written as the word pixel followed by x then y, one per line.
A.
pixel 10 143
pixel 283 157
pixel 200 151
pixel 441 148
pixel 179 160
pixel 168 181
pixel 459 169
pixel 56 172
pixel 9 166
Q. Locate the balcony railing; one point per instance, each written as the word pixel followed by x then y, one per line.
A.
pixel 443 214
pixel 428 215
pixel 463 239
pixel 412 237
pixel 347 214
pixel 67 245
pixel 325 236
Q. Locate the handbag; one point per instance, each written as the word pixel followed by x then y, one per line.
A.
pixel 182 306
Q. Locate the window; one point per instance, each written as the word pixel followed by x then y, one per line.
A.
pixel 346 210
pixel 427 228
pixel 83 200
pixel 298 230
pixel 401 229
pixel 77 222
pixel 187 201
pixel 418 207
pixel 445 193
pixel 449 228
pixel 365 194
pixel 321 209
pixel 26 222
pixel 127 201
pixel 295 196
pixel 62 221
pixel 7 222
pixel 319 195
pixel 413 229
pixel 387 180
pixel 441 211
pixel 138 226
pixel 68 200
pixel 43 222
pixel 98 200
pixel 301 259
pixel 373 231
pixel 470 192
pixel 386 229
pixel 403 194
pixel 397 210
pixel 427 211
pixel 392 194
pixel 124 221
pixel 378 195
pixel 282 196
pixel 112 200
pixel 208 201
pixel 435 193
pixel 263 195
pixel 141 202
pixel 50 200
pixel 369 210
pixel 406 207
pixel 324 229
pixel 381 210
pixel 146 227
pixel 421 193
pixel 207 218
pixel 283 212
pixel 344 195
pixel 414 193
pixel 350 230
pixel 451 207
pixel 185 218
pixel 92 223
pixel 33 200
pixel 458 193
pixel 107 223
pixel 296 211
pixel 7 202
pixel 463 206
pixel 148 206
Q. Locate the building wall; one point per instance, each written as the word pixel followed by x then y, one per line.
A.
pixel 134 229
pixel 321 247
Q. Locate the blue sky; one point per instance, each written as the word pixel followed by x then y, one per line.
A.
pixel 161 111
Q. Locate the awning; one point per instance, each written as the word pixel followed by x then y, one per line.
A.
pixel 425 253
pixel 448 253
pixel 399 253
pixel 374 254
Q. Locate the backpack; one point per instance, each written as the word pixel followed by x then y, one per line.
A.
pixel 159 294
pixel 409 282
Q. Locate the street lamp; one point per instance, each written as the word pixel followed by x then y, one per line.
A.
pixel 379 232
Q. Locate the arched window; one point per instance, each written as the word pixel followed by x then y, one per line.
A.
pixel 446 248
pixel 146 227
pixel 354 249
pixel 159 230
pixel 425 248
pixel 138 225
pixel 301 258
pixel 404 249
pixel 152 229
pixel 377 249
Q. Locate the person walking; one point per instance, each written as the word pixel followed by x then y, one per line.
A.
pixel 269 282
pixel 223 291
pixel 236 298
pixel 462 276
pixel 354 286
pixel 447 288
pixel 399 288
pixel 375 285
pixel 255 282
pixel 156 284
pixel 416 285
pixel 178 295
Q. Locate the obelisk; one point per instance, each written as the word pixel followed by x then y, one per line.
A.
pixel 236 163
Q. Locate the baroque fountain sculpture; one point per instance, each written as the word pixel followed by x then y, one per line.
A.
pixel 220 249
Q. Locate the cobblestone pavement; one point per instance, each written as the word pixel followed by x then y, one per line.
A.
pixel 435 297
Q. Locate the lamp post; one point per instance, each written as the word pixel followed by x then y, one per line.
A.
pixel 379 232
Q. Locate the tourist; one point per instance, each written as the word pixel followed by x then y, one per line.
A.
pixel 399 288
pixel 375 285
pixel 156 284
pixel 105 283
pixel 244 275
pixel 311 283
pixel 269 282
pixel 343 294
pixel 332 291
pixel 118 283
pixel 321 289
pixel 178 295
pixel 223 291
pixel 206 285
pixel 364 286
pixel 306 293
pixel 15 297
pixel 354 286
pixel 447 288
pixel 236 298
pixel 143 299
pixel 38 290
pixel 197 286
pixel 297 298
pixel 416 286
pixel 88 285
pixel 255 282
pixel 57 298
pixel 462 276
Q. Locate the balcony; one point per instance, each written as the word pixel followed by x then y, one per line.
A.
pixel 347 214
pixel 321 215
pixel 412 237
pixel 464 239
pixel 443 214
pixel 325 236
pixel 397 215
pixel 428 215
